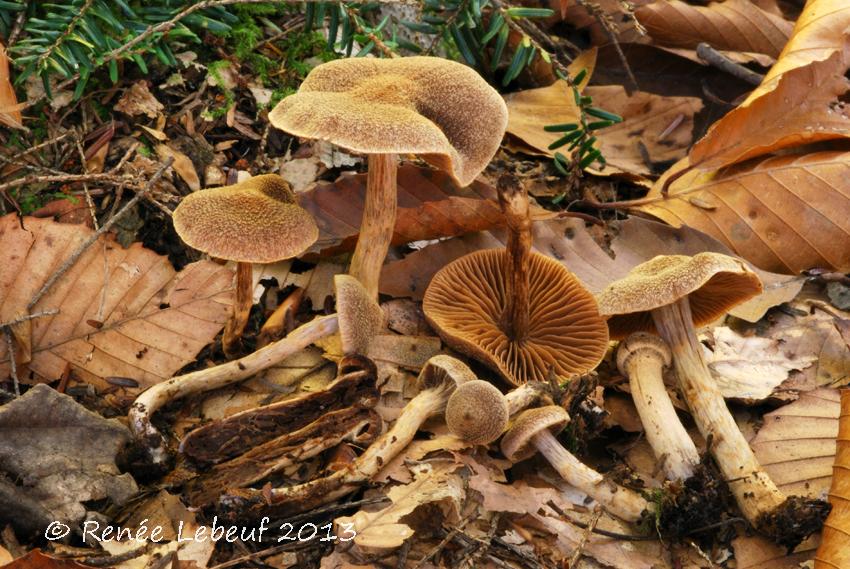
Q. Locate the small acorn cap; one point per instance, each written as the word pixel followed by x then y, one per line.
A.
pixel 255 221
pixel 441 370
pixel 643 342
pixel 714 283
pixel 410 105
pixel 477 412
pixel 360 317
pixel 518 442
pixel 466 300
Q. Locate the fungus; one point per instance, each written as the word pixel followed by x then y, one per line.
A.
pixel 672 294
pixel 477 412
pixel 255 221
pixel 520 313
pixel 642 358
pixel 437 381
pixel 534 430
pixel 360 316
pixel 386 107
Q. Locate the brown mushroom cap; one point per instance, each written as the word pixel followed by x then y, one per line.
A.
pixel 518 442
pixel 477 412
pixel 442 369
pixel 642 342
pixel 713 282
pixel 439 109
pixel 466 300
pixel 255 221
pixel 360 317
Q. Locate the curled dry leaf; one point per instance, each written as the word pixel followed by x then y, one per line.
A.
pixel 121 312
pixel 138 100
pixel 62 457
pixel 783 214
pixel 663 125
pixel 796 445
pixel 10 114
pixel 834 550
pixel 182 165
pixel 750 367
pixel 735 25
pixel 434 483
pixel 430 206
pixel 798 101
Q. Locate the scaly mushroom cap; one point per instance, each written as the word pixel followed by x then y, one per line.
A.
pixel 643 342
pixel 411 105
pixel 255 221
pixel 466 302
pixel 360 317
pixel 441 370
pixel 713 282
pixel 518 442
pixel 477 412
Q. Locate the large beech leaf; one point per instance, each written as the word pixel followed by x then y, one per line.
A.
pixel 663 125
pixel 783 214
pixel 834 550
pixel 430 206
pixel 735 25
pixel 796 445
pixel 122 312
pixel 798 101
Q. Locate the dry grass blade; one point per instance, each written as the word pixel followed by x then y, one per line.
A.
pixel 150 322
pixel 735 25
pixel 783 214
pixel 798 101
pixel 834 550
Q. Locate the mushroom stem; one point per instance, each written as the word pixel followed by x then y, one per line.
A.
pixel 241 309
pixel 626 504
pixel 219 376
pixel 526 395
pixel 643 363
pixel 514 202
pixel 378 223
pixel 754 491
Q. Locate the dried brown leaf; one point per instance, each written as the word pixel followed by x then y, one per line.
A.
pixel 783 214
pixel 834 550
pixel 122 312
pixel 35 559
pixel 760 553
pixel 10 114
pixel 735 25
pixel 138 100
pixel 182 165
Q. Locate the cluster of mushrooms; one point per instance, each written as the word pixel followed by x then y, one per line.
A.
pixel 519 313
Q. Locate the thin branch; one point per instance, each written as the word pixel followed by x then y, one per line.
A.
pixel 723 63
pixel 13 366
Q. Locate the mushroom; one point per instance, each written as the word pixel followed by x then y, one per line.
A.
pixel 534 430
pixel 360 316
pixel 478 413
pixel 672 294
pixel 255 221
pixel 386 107
pixel 642 357
pixel 520 313
pixel 437 381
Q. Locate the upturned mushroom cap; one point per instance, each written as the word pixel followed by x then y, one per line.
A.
pixel 360 317
pixel 411 105
pixel 441 370
pixel 477 412
pixel 466 301
pixel 643 342
pixel 714 283
pixel 255 221
pixel 518 442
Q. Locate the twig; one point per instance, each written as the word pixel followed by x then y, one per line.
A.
pixel 107 560
pixel 64 178
pixel 68 30
pixel 69 262
pixel 26 317
pixel 594 519
pixel 354 14
pixel 723 63
pixel 18 26
pixel 443 542
pixel 610 28
pixel 10 346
